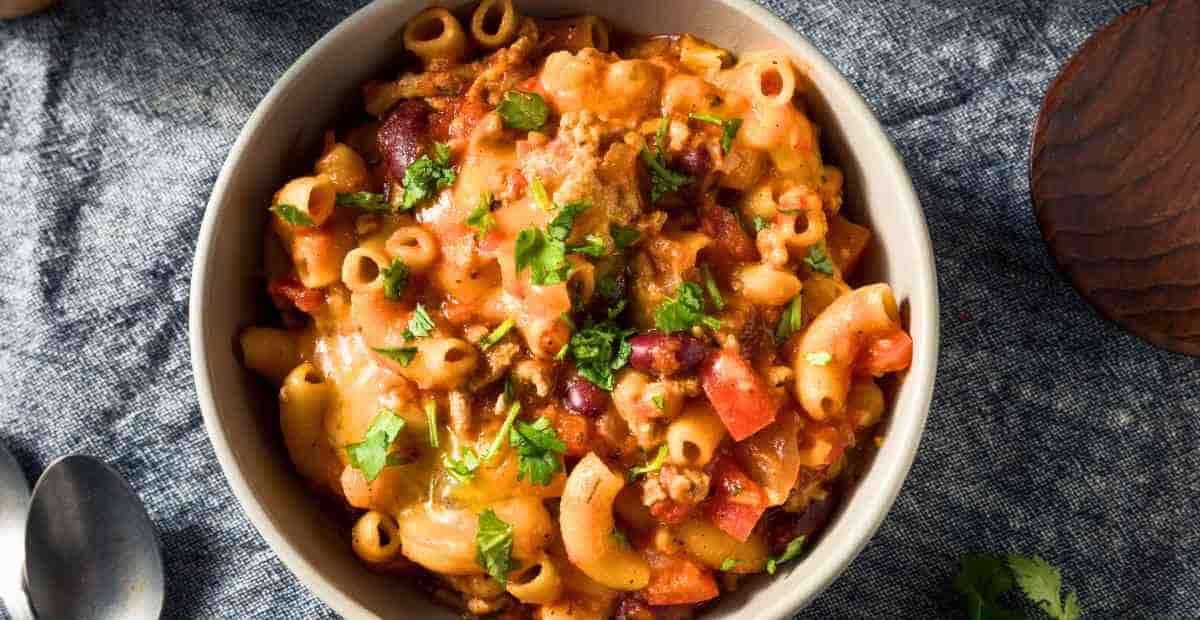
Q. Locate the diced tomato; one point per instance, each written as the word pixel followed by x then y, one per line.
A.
pixel 288 292
pixel 888 353
pixel 574 430
pixel 731 244
pixel 677 580
pixel 670 511
pixel 737 502
pixel 738 394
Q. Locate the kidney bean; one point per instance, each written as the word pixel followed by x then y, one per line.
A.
pixel 696 162
pixel 583 397
pixel 665 355
pixel 404 135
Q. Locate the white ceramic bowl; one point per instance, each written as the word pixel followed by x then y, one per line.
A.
pixel 239 412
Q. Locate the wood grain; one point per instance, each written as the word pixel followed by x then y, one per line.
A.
pixel 1115 172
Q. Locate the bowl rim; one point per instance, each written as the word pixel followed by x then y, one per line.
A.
pixel 907 431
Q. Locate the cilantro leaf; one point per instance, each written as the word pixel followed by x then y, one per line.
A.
pixel 494 543
pixel 660 403
pixel 481 218
pixel 818 358
pixel 370 455
pixel 654 465
pixel 367 201
pixel 431 416
pixel 599 350
pixel 791 321
pixel 729 127
pixel 593 246
pixel 1042 583
pixel 982 580
pixel 728 564
pixel 684 311
pixel 546 254
pixel 521 110
pixel 465 467
pixel 759 223
pixel 395 279
pixel 663 180
pixel 403 355
pixel 790 552
pixel 420 324
pixel 292 214
pixel 497 334
pixel 426 175
pixel 714 291
pixel 623 236
pixel 540 195
pixel 818 259
pixel 538 448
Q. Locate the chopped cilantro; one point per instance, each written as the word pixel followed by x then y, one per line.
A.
pixel 623 236
pixel 492 338
pixel 684 311
pixel 654 465
pixel 481 218
pixel 464 467
pixel 593 245
pixel 818 358
pixel 790 552
pixel 538 448
pixel 370 455
pixel 366 201
pixel 714 291
pixel 818 259
pixel 419 325
pixel 791 321
pixel 545 253
pixel 728 564
pixel 540 195
pixel 403 355
pixel 292 215
pixel 431 415
pixel 759 223
pixel 521 110
pixel 395 279
pixel 660 403
pixel 600 350
pixel 729 127
pixel 663 180
pixel 427 175
pixel 493 546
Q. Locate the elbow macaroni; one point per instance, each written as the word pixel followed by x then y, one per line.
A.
pixel 409 333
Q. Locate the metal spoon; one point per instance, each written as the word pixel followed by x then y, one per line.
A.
pixel 14 505
pixel 90 549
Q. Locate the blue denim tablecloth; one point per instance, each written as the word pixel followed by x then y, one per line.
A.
pixel 1052 432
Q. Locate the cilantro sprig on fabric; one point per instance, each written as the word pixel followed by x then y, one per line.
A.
pixel 545 254
pixel 395 279
pixel 791 321
pixel 539 450
pixel 365 201
pixel 984 579
pixel 792 551
pixel 729 127
pixel 427 175
pixel 684 311
pixel 371 454
pixel 600 350
pixel 481 218
pixel 663 180
pixel 493 546
pixel 818 259
pixel 291 214
pixel 652 466
pixel 522 110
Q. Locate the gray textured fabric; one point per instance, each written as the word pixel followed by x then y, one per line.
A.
pixel 1051 432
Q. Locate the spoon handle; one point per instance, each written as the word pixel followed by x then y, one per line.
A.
pixel 16 602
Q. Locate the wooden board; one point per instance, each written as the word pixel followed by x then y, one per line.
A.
pixel 1115 172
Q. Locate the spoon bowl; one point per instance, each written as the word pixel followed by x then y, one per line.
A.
pixel 91 551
